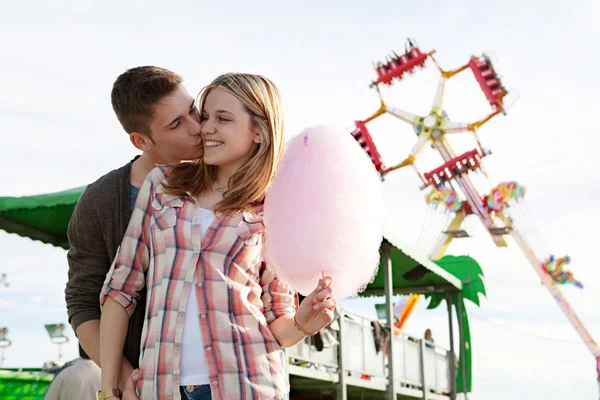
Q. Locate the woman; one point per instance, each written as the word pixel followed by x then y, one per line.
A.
pixel 217 317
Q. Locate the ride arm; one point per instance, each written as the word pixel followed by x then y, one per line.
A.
pixel 447 74
pixel 457 127
pixel 402 115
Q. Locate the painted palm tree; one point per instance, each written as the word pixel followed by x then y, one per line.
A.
pixel 471 275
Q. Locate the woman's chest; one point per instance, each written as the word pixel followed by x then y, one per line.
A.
pixel 188 238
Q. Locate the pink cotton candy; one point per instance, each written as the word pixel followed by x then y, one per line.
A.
pixel 324 212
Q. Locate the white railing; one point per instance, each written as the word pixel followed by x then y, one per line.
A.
pixel 362 361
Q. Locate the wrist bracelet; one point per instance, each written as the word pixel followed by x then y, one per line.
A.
pixel 108 393
pixel 300 328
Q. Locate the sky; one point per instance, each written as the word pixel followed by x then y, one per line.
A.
pixel 60 58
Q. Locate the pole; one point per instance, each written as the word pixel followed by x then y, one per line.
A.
pixel 452 353
pixel 423 374
pixel 598 372
pixel 463 369
pixel 389 311
pixel 342 391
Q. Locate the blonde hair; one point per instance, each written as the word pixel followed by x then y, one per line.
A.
pixel 248 185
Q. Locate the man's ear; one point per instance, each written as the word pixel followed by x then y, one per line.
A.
pixel 140 141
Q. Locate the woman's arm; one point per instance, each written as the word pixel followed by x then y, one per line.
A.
pixel 125 280
pixel 113 329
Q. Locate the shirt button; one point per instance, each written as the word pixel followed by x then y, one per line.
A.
pixel 177 347
pixel 200 284
pixel 209 348
pixel 203 316
pixel 181 314
pixel 214 383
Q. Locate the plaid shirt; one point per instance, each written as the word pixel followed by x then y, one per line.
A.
pixel 237 295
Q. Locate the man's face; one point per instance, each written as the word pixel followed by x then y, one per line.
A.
pixel 175 128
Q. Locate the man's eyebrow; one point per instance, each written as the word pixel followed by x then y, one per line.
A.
pixel 193 105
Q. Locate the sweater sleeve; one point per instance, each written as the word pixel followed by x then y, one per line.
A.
pixel 88 261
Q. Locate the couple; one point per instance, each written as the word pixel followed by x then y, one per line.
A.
pixel 172 245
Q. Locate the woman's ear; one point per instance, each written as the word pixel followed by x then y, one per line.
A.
pixel 257 138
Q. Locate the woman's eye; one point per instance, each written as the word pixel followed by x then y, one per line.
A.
pixel 223 119
pixel 176 125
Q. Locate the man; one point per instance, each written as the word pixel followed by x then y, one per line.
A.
pixel 163 122
pixel 77 379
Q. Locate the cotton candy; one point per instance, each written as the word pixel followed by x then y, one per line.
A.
pixel 324 213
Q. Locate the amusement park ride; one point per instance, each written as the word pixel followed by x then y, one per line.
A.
pixel 452 191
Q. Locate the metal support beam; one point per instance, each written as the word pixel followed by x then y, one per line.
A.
pixel 463 370
pixel 342 391
pixel 423 374
pixel 452 363
pixel 389 310
pixel 287 363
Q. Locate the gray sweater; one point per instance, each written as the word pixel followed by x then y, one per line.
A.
pixel 96 229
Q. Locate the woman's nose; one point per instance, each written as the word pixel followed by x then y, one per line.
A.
pixel 207 127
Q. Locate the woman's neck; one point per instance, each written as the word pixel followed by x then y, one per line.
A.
pixel 224 173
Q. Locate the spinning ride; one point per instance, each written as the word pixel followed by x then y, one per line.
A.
pixel 452 196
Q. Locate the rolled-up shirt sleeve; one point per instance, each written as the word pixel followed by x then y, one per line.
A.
pixel 278 298
pixel 127 274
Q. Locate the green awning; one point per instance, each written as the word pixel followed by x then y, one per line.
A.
pixel 411 272
pixel 42 217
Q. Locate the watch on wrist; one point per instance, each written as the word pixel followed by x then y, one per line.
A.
pixel 107 394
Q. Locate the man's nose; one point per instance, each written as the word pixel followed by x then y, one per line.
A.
pixel 196 127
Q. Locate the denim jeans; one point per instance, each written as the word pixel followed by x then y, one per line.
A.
pixel 201 392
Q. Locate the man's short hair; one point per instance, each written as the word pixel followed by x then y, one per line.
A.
pixel 136 92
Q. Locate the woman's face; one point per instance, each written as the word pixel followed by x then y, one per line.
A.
pixel 227 131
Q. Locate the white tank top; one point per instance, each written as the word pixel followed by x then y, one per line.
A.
pixel 193 366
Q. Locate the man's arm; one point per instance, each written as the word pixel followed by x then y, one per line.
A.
pixel 89 263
